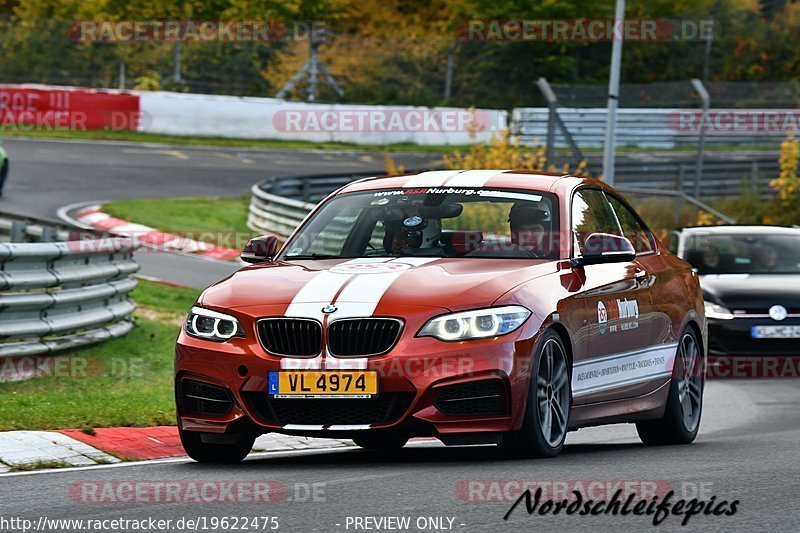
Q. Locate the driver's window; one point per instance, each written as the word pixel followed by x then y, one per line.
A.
pixel 591 213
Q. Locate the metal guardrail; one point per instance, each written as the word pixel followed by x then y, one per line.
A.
pixel 679 195
pixel 641 127
pixel 61 295
pixel 279 205
pixel 720 179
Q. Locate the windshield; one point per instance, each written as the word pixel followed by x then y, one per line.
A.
pixel 431 223
pixel 744 254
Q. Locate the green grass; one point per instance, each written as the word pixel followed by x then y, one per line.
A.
pixel 121 382
pixel 215 220
pixel 135 136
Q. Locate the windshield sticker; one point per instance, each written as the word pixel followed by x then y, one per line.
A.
pixel 511 195
pixel 295 251
pixel 464 192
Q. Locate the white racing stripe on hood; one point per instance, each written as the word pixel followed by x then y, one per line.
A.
pixel 360 298
pixel 361 295
pixel 309 301
pixel 471 178
pixel 433 178
pixel 323 288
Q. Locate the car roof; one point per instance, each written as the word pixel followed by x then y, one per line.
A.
pixel 737 229
pixel 488 178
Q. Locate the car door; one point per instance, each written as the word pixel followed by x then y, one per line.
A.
pixel 612 344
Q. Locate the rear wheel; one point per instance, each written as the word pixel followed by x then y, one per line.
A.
pixel 681 420
pixel 544 427
pixel 381 441
pixel 217 448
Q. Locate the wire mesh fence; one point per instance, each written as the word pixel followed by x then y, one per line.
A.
pixel 415 63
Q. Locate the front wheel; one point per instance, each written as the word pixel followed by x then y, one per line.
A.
pixel 217 448
pixel 681 420
pixel 544 428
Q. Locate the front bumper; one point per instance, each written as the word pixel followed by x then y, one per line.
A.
pixel 413 389
pixel 733 338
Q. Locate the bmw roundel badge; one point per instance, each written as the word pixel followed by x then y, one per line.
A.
pixel 328 309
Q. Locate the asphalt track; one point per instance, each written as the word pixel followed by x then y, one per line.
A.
pixel 746 451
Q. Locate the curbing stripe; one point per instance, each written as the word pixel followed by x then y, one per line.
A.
pixel 93 217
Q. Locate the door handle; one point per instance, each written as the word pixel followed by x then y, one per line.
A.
pixel 640 275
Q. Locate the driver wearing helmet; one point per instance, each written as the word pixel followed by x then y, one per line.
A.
pixel 527 224
pixel 413 233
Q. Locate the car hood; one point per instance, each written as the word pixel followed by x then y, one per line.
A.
pixel 373 286
pixel 752 291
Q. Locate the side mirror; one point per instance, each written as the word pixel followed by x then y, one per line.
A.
pixel 260 249
pixel 599 248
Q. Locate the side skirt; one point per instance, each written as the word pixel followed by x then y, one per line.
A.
pixel 646 407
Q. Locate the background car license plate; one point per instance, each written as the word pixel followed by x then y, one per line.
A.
pixel 775 332
pixel 307 384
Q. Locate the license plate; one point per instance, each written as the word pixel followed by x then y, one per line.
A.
pixel 308 384
pixel 775 332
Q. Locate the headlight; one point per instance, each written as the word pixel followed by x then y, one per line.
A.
pixel 211 325
pixel 718 312
pixel 478 324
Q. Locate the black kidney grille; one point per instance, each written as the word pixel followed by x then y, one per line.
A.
pixel 204 399
pixel 291 336
pixel 477 398
pixel 362 336
pixel 384 409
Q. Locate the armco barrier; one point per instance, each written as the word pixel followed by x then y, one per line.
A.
pixel 279 205
pixel 641 127
pixel 61 295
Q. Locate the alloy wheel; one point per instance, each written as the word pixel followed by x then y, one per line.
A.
pixel 690 384
pixel 552 392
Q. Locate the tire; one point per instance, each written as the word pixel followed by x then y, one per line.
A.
pixel 681 420
pixel 228 453
pixel 380 441
pixel 549 398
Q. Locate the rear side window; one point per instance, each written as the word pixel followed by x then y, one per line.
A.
pixel 591 213
pixel 632 228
